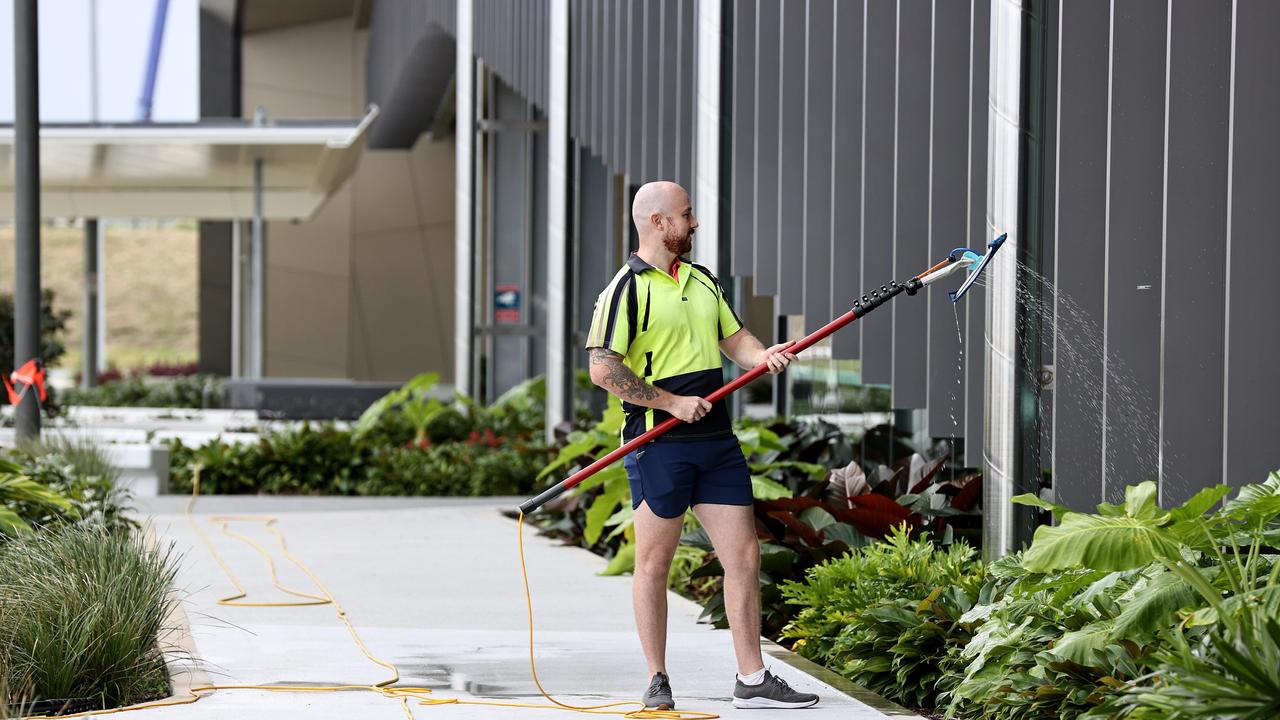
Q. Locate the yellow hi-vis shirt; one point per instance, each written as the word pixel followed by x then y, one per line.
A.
pixel 668 332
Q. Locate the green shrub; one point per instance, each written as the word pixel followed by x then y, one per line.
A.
pixel 81 609
pixel 81 471
pixel 1232 671
pixel 884 614
pixel 26 503
pixel 188 392
pixel 324 459
pixel 1098 618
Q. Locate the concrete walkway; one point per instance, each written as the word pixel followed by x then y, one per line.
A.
pixel 433 586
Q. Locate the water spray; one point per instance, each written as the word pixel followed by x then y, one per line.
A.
pixel 956 260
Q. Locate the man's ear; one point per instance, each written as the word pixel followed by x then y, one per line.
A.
pixel 656 220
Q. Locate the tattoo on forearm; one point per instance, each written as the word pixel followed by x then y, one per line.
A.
pixel 624 383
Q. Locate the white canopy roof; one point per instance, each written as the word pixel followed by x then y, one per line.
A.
pixel 201 170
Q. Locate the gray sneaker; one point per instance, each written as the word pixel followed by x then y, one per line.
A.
pixel 773 692
pixel 658 696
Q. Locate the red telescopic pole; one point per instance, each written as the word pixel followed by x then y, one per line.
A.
pixel 861 307
pixel 662 428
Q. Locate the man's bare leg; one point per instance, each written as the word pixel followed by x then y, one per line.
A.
pixel 656 540
pixel 732 529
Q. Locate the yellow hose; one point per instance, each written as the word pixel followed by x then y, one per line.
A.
pixel 386 688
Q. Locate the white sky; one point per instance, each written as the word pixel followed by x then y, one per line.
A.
pixel 124 36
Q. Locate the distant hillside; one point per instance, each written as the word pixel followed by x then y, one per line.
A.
pixel 151 289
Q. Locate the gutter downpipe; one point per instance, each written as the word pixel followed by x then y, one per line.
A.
pixel 1011 434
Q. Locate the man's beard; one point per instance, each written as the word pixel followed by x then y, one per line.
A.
pixel 677 244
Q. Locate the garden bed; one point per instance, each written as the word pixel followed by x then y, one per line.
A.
pixel 1132 612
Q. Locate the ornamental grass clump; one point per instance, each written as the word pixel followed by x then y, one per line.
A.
pixel 81 611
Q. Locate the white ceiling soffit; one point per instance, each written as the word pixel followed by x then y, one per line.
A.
pixel 201 170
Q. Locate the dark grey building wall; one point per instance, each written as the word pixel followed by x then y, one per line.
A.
pixel 859 134
pixel 1252 340
pixel 857 125
pixel 1163 238
pixel 219 97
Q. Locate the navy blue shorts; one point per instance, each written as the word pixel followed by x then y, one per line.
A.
pixel 676 475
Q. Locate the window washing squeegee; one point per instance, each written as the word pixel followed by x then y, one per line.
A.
pixel 956 260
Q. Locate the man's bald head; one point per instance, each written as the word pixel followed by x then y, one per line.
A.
pixel 662 198
pixel 663 217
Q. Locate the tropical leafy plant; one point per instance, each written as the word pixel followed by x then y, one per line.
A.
pixel 412 401
pixel 24 502
pixel 1231 671
pixel 81 471
pixel 886 612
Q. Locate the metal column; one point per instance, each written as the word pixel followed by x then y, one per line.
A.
pixel 464 191
pixel 559 369
pixel 706 190
pixel 256 290
pixel 26 147
pixel 1011 410
pixel 89 364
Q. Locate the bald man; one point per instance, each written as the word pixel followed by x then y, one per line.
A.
pixel 655 342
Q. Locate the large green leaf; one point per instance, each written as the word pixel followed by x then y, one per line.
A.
pixel 1200 503
pixel 1151 606
pixel 1251 493
pixel 418 386
pixel 623 562
pixel 1083 645
pixel 1036 501
pixel 602 508
pixel 1140 501
pixel 762 488
pixel 1098 543
pixel 11 524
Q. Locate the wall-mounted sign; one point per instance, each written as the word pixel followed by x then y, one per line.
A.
pixel 506 303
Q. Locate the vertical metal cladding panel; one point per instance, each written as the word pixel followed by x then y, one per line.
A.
pixel 877 191
pixel 768 47
pixel 911 201
pixel 636 92
pixel 686 99
pixel 743 185
pixel 576 65
pixel 847 280
pixel 538 227
pixel 1195 258
pixel 618 85
pixel 793 111
pixel 1253 338
pixel 595 264
pixel 608 55
pixel 522 55
pixel 652 98
pixel 816 278
pixel 1048 222
pixel 974 304
pixel 948 185
pixel 1134 282
pixel 544 55
pixel 597 76
pixel 1082 226
pixel 668 69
